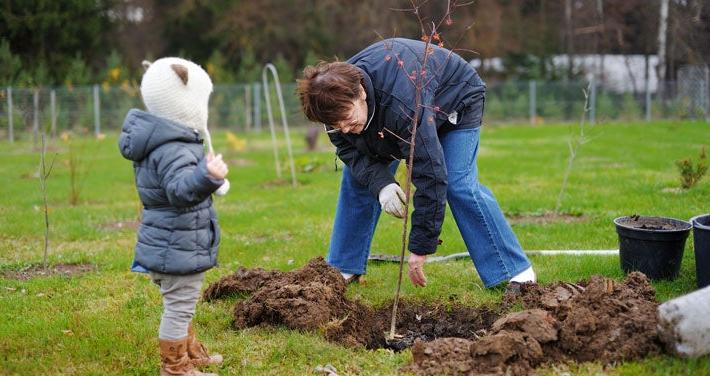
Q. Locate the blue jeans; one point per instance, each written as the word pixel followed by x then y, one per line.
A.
pixel 494 249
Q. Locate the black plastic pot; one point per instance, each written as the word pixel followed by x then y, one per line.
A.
pixel 651 245
pixel 701 239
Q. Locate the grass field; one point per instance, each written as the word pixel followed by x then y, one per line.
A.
pixel 105 321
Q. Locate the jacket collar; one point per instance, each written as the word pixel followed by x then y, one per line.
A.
pixel 370 91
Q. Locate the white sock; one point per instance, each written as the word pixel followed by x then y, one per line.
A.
pixel 527 275
pixel 346 275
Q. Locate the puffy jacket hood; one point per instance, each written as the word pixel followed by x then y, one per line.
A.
pixel 142 132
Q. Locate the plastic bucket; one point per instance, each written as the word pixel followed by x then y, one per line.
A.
pixel 652 245
pixel 701 239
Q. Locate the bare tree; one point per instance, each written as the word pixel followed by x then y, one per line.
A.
pixel 420 78
pixel 574 143
pixel 44 173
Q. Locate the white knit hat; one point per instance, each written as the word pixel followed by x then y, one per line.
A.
pixel 179 90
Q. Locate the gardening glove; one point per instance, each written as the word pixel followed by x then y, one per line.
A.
pixel 416 270
pixel 392 200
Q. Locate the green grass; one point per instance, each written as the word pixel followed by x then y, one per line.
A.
pixel 106 321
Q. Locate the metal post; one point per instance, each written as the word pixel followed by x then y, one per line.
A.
pixel 97 113
pixel 648 98
pixel 706 93
pixel 257 108
pixel 35 116
pixel 53 110
pixel 533 103
pixel 247 107
pixel 10 129
pixel 592 101
pixel 264 74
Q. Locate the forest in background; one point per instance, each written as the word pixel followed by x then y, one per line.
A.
pixel 78 42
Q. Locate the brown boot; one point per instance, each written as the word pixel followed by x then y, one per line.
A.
pixel 197 352
pixel 174 360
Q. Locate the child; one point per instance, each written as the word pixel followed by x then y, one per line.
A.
pixel 179 234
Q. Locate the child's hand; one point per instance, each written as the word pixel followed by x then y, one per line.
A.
pixel 216 166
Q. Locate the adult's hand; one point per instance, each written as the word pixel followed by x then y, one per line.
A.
pixel 392 200
pixel 416 270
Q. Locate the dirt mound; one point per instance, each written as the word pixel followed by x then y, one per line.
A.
pixel 310 298
pixel 595 320
pixel 243 281
pixel 313 298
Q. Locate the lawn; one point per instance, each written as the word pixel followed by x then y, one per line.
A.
pixel 106 321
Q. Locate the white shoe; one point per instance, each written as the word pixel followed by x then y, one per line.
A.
pixel 527 275
pixel 350 278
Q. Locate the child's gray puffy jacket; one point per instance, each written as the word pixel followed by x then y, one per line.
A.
pixel 179 233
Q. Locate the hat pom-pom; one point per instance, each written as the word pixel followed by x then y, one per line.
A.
pixel 223 189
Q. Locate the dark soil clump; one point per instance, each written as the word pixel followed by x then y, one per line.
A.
pixel 243 281
pixel 313 298
pixel 594 320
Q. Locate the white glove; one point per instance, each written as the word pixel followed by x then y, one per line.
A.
pixel 392 200
pixel 223 189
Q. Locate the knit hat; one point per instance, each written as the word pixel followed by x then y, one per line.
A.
pixel 179 90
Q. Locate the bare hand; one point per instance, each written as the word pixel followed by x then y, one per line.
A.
pixel 416 270
pixel 216 166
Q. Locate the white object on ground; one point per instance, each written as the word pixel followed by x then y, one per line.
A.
pixel 683 324
pixel 527 275
pixel 346 276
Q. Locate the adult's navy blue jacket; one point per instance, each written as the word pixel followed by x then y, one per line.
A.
pixel 391 70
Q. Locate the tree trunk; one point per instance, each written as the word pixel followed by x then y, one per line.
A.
pixel 662 31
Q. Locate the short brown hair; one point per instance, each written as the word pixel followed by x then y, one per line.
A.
pixel 328 90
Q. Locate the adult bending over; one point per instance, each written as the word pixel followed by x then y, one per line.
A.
pixel 367 105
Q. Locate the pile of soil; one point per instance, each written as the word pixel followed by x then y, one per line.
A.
pixel 594 320
pixel 313 298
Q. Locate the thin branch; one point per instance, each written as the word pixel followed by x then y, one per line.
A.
pixel 574 144
pixel 43 175
pixel 396 135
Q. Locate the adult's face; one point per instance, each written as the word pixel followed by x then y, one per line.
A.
pixel 356 117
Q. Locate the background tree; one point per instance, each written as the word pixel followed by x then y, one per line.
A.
pixel 47 34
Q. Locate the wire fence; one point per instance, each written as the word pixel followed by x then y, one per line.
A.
pixel 25 112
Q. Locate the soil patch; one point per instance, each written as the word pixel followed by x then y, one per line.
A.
pixel 653 223
pixel 546 218
pixel 68 270
pixel 121 225
pixel 593 320
pixel 240 162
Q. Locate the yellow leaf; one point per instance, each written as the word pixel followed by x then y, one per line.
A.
pixel 235 143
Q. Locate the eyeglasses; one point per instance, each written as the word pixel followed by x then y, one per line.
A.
pixel 334 130
pixel 338 130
